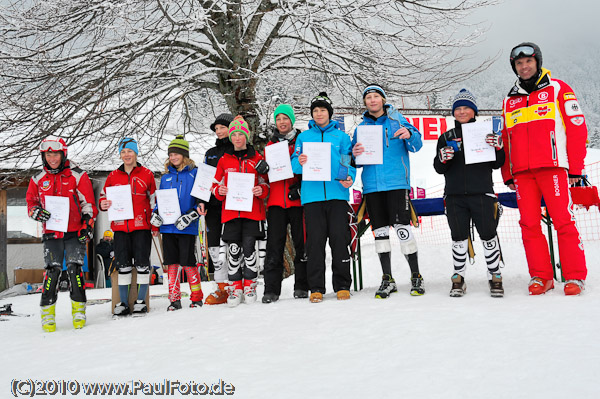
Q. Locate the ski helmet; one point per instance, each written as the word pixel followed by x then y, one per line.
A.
pixel 54 144
pixel 526 49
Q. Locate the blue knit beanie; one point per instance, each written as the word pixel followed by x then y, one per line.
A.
pixel 128 142
pixel 464 98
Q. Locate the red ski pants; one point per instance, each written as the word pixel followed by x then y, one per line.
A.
pixel 553 185
pixel 193 278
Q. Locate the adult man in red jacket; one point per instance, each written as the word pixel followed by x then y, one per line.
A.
pixel 61 178
pixel 546 134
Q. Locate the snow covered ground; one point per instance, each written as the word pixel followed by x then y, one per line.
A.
pixel 427 347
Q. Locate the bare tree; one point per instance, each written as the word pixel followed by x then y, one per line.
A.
pixel 95 70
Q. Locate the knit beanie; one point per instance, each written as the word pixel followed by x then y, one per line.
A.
pixel 239 125
pixel 287 110
pixel 223 119
pixel 179 146
pixel 321 101
pixel 373 88
pixel 464 98
pixel 128 142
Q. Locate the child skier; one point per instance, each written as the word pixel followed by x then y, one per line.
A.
pixel 284 207
pixel 217 249
pixel 386 187
pixel 61 178
pixel 133 239
pixel 469 196
pixel 179 239
pixel 326 202
pixel 241 229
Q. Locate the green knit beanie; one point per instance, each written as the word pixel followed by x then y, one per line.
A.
pixel 287 110
pixel 179 146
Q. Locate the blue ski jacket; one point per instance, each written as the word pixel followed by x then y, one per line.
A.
pixel 394 173
pixel 315 191
pixel 183 181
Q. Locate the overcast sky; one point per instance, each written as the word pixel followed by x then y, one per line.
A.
pixel 561 28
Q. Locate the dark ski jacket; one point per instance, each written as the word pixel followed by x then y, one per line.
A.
pixel 462 179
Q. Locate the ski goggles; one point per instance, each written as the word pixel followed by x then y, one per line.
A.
pixel 51 146
pixel 522 51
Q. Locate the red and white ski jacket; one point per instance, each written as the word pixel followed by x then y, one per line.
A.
pixel 246 164
pixel 543 129
pixel 279 190
pixel 143 191
pixel 71 182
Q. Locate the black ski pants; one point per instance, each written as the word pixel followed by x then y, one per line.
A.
pixel 461 209
pixel 73 252
pixel 278 219
pixel 328 220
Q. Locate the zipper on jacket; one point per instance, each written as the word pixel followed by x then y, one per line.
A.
pixel 553 143
pixel 387 139
pixel 324 187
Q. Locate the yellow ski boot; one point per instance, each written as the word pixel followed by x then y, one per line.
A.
pixel 48 322
pixel 78 312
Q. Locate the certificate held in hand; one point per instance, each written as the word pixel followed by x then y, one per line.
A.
pixel 59 213
pixel 474 146
pixel 168 205
pixel 122 202
pixel 318 161
pixel 278 157
pixel 205 174
pixel 371 138
pixel 239 191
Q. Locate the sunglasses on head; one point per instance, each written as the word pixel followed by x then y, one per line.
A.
pixel 522 51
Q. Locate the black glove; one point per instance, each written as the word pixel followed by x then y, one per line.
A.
pixel 87 233
pixel 39 214
pixel 494 140
pixel 509 182
pixel 186 219
pixel 446 154
pixel 156 220
pixel 262 167
pixel 294 193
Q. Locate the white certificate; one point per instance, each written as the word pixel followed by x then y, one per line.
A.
pixel 474 146
pixel 59 213
pixel 122 202
pixel 168 205
pixel 205 176
pixel 278 158
pixel 318 162
pixel 239 191
pixel 371 137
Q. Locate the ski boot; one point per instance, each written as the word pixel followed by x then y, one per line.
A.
pixel 496 289
pixel 139 308
pixel 78 313
pixel 269 297
pixel 236 294
pixel 300 294
pixel 574 287
pixel 48 320
pixel 539 286
pixel 219 296
pixel 250 291
pixel 121 309
pixel 417 285
pixel 196 304
pixel 388 285
pixel 175 305
pixel 459 287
